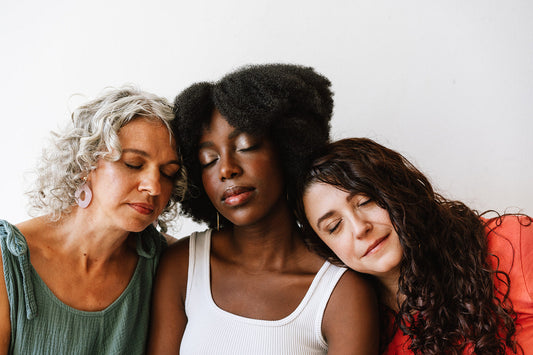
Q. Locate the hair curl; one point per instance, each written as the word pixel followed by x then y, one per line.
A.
pixel 289 104
pixel 91 135
pixel 451 301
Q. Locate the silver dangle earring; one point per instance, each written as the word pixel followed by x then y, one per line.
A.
pixel 85 200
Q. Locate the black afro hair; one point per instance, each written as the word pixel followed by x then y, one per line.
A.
pixel 290 104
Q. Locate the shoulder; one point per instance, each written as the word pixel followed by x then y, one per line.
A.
pixel 174 265
pixel 508 225
pixel 509 233
pixel 168 318
pixel 170 287
pixel 351 316
pixel 354 285
pixel 510 243
pixel 175 258
pixel 12 240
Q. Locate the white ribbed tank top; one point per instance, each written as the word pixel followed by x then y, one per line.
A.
pixel 211 330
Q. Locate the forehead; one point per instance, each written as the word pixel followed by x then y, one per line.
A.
pixel 148 133
pixel 319 197
pixel 318 188
pixel 217 125
pixel 219 131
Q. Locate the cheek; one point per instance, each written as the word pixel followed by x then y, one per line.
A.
pixel 340 247
pixel 268 169
pixel 166 190
pixel 208 183
pixel 105 178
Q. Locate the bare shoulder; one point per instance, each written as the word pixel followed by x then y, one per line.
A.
pixel 35 230
pixel 350 324
pixel 168 318
pixel 169 238
pixel 175 259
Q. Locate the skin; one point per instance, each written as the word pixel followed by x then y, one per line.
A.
pixel 358 231
pixel 91 247
pixel 260 267
pixel 5 323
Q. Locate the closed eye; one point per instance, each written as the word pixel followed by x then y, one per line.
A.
pixel 364 202
pixel 335 227
pixel 250 148
pixel 171 175
pixel 133 166
pixel 205 165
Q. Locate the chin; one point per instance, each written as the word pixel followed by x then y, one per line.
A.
pixel 242 219
pixel 136 227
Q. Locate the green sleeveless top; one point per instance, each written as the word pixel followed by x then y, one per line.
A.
pixel 42 324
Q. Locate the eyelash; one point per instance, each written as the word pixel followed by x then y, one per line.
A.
pixel 335 227
pixel 338 224
pixel 137 167
pixel 366 202
pixel 203 166
pixel 248 149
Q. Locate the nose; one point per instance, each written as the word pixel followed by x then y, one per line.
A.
pixel 361 226
pixel 229 168
pixel 150 182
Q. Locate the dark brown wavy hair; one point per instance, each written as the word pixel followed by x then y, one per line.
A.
pixel 451 302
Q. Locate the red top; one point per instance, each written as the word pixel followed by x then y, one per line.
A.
pixel 512 239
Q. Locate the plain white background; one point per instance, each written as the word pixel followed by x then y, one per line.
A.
pixel 448 83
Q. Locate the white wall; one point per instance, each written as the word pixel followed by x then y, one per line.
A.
pixel 449 83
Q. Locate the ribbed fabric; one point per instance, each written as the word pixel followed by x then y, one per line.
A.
pixel 211 330
pixel 42 324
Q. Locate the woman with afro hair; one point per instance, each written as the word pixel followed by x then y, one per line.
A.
pixel 450 281
pixel 249 284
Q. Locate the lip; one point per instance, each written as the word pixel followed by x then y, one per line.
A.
pixel 374 246
pixel 142 208
pixel 237 195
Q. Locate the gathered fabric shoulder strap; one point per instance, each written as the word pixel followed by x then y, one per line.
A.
pixel 16 261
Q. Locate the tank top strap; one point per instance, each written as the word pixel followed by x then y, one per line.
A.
pixel 198 273
pixel 320 292
pixel 15 254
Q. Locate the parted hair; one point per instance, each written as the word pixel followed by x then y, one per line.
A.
pixel 451 300
pixel 92 134
pixel 290 105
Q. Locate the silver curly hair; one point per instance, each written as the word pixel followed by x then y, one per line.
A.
pixel 91 135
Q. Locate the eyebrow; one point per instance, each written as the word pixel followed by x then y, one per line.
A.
pixel 146 155
pixel 236 132
pixel 323 217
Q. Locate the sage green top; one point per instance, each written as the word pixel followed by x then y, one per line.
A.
pixel 42 324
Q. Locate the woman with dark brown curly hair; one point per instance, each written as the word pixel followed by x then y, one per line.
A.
pixel 450 281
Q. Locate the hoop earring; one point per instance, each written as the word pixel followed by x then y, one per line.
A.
pixel 218 222
pixel 87 194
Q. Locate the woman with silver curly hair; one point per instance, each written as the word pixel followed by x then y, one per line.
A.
pixel 103 185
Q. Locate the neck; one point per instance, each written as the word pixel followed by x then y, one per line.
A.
pixel 388 289
pixel 270 242
pixel 91 241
